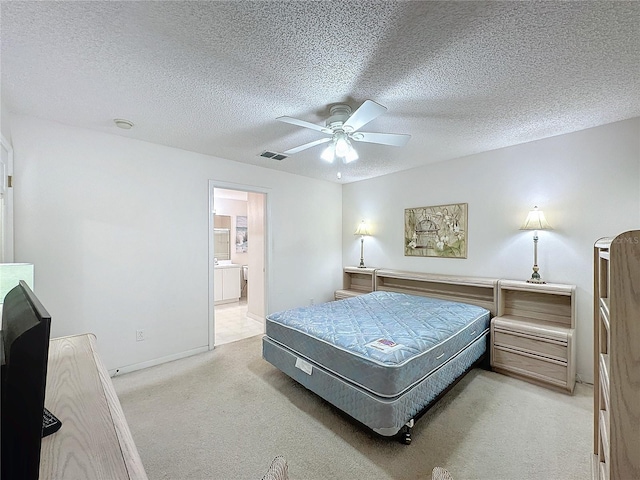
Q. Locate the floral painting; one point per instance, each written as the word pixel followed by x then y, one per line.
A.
pixel 438 231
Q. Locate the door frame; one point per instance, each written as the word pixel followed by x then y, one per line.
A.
pixel 213 184
pixel 6 203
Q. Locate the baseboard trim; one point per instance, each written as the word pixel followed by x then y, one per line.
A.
pixel 255 317
pixel 587 380
pixel 157 361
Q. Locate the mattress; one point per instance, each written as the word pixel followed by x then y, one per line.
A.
pixel 384 343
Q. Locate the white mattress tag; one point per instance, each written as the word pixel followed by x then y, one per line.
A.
pixel 306 367
pixel 384 345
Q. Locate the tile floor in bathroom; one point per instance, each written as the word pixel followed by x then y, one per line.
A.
pixel 232 323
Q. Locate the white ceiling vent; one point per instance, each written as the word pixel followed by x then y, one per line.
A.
pixel 273 155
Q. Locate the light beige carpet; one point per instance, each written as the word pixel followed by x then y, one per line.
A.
pixel 225 414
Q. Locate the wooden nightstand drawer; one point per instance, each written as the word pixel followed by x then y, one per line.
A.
pixel 532 344
pixel 534 366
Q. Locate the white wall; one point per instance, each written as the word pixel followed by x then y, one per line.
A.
pixel 587 183
pixel 118 229
pixel 118 232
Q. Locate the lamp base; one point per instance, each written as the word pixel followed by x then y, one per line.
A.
pixel 535 276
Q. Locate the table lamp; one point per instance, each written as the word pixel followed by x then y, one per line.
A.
pixel 362 230
pixel 535 221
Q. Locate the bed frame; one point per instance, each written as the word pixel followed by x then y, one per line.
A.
pixel 478 291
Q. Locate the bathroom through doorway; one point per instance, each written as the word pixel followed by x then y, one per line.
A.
pixel 237 297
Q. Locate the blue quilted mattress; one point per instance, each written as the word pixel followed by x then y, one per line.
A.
pixel 383 342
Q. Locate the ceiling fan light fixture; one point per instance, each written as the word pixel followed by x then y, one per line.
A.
pixel 328 154
pixel 342 144
pixel 351 155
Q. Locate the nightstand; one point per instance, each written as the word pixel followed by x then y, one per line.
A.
pixel 532 337
pixel 356 281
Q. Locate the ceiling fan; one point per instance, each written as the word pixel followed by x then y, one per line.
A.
pixel 342 127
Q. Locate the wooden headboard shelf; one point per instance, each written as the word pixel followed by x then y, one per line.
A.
pixel 474 290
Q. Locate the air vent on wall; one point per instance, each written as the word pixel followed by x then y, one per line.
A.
pixel 273 155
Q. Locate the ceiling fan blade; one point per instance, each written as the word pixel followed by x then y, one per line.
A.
pixel 364 114
pixel 395 139
pixel 302 123
pixel 306 145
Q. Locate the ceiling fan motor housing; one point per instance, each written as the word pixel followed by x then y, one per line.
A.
pixel 339 114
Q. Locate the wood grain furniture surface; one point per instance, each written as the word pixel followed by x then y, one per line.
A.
pixel 94 441
pixel 616 392
pixel 356 281
pixel 478 291
pixel 532 337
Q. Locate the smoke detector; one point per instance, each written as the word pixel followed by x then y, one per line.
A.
pixel 124 124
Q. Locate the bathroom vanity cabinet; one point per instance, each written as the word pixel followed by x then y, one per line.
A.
pixel 226 283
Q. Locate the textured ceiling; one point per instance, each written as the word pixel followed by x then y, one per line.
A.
pixel 211 77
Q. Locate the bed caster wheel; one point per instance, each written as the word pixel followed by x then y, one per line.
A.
pixel 405 435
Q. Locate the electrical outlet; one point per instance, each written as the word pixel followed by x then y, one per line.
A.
pixel 311 301
pixel 139 335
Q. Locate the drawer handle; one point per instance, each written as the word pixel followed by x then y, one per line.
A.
pixel 440 356
pixel 473 333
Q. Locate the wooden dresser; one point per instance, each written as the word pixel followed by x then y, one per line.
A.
pixel 616 390
pixel 94 441
pixel 533 335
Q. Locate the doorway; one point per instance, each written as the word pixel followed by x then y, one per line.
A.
pixel 237 239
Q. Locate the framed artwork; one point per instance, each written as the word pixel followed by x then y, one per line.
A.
pixel 242 240
pixel 437 231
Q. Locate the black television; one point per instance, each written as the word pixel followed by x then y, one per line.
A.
pixel 25 349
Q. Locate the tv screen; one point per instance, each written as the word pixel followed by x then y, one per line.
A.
pixel 25 343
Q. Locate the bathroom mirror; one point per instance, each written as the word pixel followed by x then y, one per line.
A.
pixel 222 237
pixel 221 243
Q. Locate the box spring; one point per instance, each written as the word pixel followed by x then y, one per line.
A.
pixel 384 415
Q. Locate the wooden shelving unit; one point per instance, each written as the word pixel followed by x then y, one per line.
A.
pixel 532 337
pixel 616 392
pixel 356 281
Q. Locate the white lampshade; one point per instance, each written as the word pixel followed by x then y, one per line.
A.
pixel 535 221
pixel 328 154
pixel 363 229
pixel 351 155
pixel 342 145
